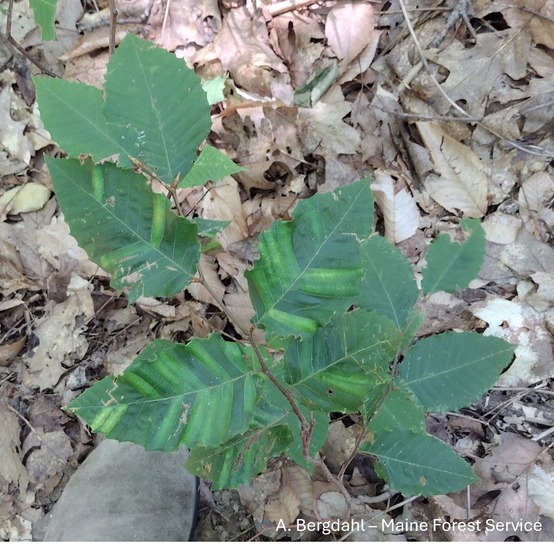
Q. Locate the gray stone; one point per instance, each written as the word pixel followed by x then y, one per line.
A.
pixel 124 493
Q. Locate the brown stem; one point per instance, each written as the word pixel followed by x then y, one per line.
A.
pixel 306 428
pixel 9 40
pixel 113 24
pixel 363 433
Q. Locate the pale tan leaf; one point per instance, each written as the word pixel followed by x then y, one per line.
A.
pixel 286 507
pixel 199 291
pixel 534 200
pixel 541 486
pixel 11 467
pixel 10 350
pixel 332 505
pixel 349 29
pixel 322 129
pixel 399 208
pixel 518 323
pixel 12 137
pixel 462 184
pixel 223 203
pixel 61 340
pixel 27 198
pixel 501 228
pixel 301 482
pixel 474 71
pixel 155 307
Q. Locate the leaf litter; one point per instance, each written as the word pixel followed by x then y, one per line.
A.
pixel 453 121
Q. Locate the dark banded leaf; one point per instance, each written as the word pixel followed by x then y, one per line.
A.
pixel 200 393
pixel 126 228
pixel 337 367
pixel 310 268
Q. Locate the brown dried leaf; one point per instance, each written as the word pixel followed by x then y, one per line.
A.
pixel 399 208
pixel 98 38
pixel 209 271
pixel 508 467
pixel 532 16
pixel 474 71
pixel 332 505
pixel 299 479
pixel 12 277
pixel 27 198
pixel 11 467
pixel 61 340
pixel 520 324
pixel 12 137
pixel 286 506
pixel 462 184
pixel 223 203
pixel 349 29
pixel 11 350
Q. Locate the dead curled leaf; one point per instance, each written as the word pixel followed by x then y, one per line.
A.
pixel 294 495
pixel 462 184
pixel 399 208
pixel 11 468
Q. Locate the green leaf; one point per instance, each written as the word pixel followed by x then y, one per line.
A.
pixel 416 463
pixel 72 113
pixel 211 164
pixel 162 125
pixel 210 228
pixel 374 400
pixel 451 370
pixel 214 89
pixel 320 424
pixel 389 286
pixel 45 14
pixel 142 117
pixel 310 268
pixel 450 265
pixel 336 368
pixel 239 460
pixel 126 228
pixel 201 393
pixel 398 412
pixel 311 92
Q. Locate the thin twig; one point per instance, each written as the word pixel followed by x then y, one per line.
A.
pixel 305 426
pixel 378 515
pixel 288 5
pixel 9 40
pixel 543 434
pixel 113 24
pixel 164 23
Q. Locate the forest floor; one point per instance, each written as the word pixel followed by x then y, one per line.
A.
pixel 448 104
